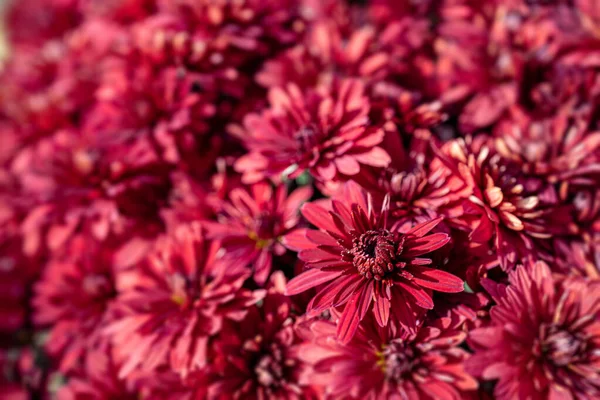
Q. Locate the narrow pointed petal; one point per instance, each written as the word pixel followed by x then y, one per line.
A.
pixel 424 228
pixel 381 309
pixel 437 280
pixel 425 244
pixel 309 279
pixel 354 312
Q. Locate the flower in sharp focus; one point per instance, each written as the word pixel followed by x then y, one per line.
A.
pixel 327 132
pixel 258 357
pixel 252 222
pixel 173 302
pixel 385 363
pixel 364 263
pixel 72 298
pixel 546 329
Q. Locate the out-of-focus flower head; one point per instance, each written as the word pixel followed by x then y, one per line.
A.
pixel 17 270
pixel 31 23
pixel 562 148
pixel 105 187
pixel 52 86
pixel 394 54
pixel 258 357
pixel 97 379
pixel 476 72
pixel 71 298
pixel 544 328
pixel 328 133
pixel 170 304
pixel 519 213
pixel 252 222
pixel 386 362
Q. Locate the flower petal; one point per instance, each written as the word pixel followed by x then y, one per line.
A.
pixel 381 309
pixel 354 312
pixel 436 279
pixel 309 279
pixel 421 230
pixel 426 244
pixel 319 217
pixel 419 295
pixel 297 240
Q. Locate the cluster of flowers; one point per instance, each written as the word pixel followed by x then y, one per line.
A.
pixel 300 199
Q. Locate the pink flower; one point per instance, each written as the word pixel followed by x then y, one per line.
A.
pixel 544 328
pixel 386 363
pixel 72 296
pixel 252 222
pixel 97 380
pixel 519 213
pixel 560 148
pixel 364 263
pixel 421 187
pixel 258 357
pixel 169 305
pixel 327 133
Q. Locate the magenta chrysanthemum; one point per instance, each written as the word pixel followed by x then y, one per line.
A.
pixel 546 329
pixel 252 223
pixel 329 133
pixel 259 358
pixel 386 362
pixel 174 301
pixel 72 297
pixel 365 263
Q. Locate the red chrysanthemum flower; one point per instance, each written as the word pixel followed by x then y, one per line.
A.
pixel 363 262
pixel 152 88
pixel 373 54
pixel 251 224
pixel 103 187
pixel 543 328
pixel 385 363
pixel 520 213
pixel 31 23
pixel 171 304
pixel 98 380
pixel 17 271
pixel 329 134
pixel 72 296
pixel 51 87
pixel 420 186
pixel 258 358
pixel 581 254
pixel 477 68
pixel 560 148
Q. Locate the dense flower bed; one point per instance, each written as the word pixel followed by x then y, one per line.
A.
pixel 300 199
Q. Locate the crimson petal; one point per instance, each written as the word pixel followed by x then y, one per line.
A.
pixel 437 280
pixel 309 279
pixel 354 312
